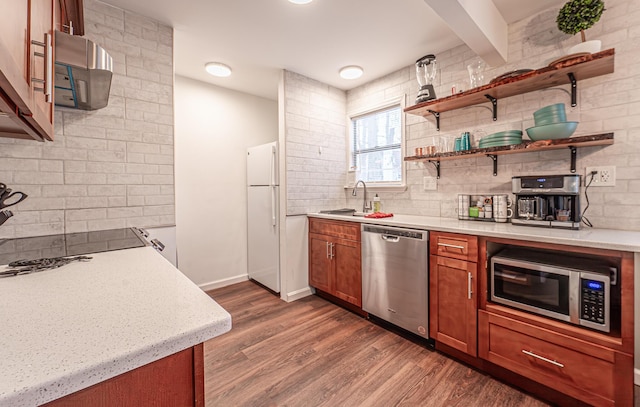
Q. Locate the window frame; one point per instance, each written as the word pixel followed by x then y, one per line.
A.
pixel 351 171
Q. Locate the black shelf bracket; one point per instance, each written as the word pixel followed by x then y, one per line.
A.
pixel 437 116
pixel 574 89
pixel 494 102
pixel 436 164
pixel 574 153
pixel 495 163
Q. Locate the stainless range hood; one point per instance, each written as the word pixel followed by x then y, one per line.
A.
pixel 83 73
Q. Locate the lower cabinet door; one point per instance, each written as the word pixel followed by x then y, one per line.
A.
pixel 348 276
pixel 453 303
pixel 588 374
pixel 319 262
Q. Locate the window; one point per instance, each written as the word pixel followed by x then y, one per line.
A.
pixel 376 140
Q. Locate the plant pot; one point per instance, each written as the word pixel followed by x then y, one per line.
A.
pixel 591 47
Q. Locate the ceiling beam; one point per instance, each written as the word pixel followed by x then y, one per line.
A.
pixel 479 24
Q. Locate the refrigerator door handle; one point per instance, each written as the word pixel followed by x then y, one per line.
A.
pixel 273 165
pixel 273 205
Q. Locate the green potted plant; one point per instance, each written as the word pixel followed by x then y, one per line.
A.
pixel 576 16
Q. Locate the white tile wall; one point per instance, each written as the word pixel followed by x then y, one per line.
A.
pixel 608 103
pixel 316 157
pixel 108 168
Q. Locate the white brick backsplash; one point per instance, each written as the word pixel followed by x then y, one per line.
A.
pixel 116 201
pixel 86 202
pixel 125 212
pixel 82 180
pixel 86 214
pixel 124 179
pixel 141 169
pixel 142 190
pixel 159 159
pixel 106 224
pixel 158 210
pixel 158 179
pixel 56 191
pixel 38 178
pixel 135 200
pixel 107 190
pixel 108 156
pixel 11 164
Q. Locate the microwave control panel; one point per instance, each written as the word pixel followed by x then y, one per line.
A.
pixel 592 301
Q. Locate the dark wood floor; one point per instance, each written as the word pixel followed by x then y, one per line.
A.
pixel 312 353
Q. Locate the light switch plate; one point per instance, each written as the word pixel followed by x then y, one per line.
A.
pixel 430 183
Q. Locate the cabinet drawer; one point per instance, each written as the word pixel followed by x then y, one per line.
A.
pixel 343 230
pixel 588 375
pixel 453 245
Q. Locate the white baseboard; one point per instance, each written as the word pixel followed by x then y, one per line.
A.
pixel 223 283
pixel 636 377
pixel 296 295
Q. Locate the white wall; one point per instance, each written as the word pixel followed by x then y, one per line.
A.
pixel 213 128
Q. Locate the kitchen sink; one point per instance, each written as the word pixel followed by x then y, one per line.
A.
pixel 344 212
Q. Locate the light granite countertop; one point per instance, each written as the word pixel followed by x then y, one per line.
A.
pixel 69 328
pixel 586 237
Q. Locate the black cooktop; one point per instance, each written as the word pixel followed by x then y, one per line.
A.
pixel 70 244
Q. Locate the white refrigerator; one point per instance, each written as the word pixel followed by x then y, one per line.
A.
pixel 263 231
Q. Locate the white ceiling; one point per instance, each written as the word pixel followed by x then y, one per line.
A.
pixel 259 38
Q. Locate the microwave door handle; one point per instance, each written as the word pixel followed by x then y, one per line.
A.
pixel 512 277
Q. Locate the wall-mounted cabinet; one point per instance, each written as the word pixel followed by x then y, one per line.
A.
pixel 26 69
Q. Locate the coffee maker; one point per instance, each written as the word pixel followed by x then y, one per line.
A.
pixel 548 201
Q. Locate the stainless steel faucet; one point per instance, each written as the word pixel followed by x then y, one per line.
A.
pixel 365 207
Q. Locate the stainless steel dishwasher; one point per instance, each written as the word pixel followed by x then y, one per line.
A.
pixel 395 269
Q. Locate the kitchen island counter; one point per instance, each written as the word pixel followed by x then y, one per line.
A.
pixel 69 328
pixel 585 237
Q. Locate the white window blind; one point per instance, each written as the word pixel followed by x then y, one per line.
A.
pixel 376 146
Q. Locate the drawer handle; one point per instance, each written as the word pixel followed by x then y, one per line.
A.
pixel 553 362
pixel 454 246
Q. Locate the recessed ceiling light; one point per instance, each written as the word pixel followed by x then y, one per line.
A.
pixel 300 1
pixel 351 72
pixel 218 69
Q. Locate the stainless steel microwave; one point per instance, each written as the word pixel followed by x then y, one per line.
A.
pixel 566 288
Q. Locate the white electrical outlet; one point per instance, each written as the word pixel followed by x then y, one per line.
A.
pixel 430 183
pixel 604 177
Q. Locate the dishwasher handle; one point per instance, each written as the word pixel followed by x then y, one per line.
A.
pixel 390 238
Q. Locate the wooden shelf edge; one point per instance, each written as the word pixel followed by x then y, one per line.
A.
pixel 604 139
pixel 584 67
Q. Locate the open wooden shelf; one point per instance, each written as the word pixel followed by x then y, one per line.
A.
pixel 561 73
pixel 527 146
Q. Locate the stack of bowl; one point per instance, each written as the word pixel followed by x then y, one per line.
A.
pixel 502 138
pixel 551 123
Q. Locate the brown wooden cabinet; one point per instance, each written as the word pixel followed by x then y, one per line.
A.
pixel 176 380
pixel 334 259
pixel 591 366
pixel 453 300
pixel 26 69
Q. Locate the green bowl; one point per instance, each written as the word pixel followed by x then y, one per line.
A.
pixel 557 108
pixel 550 118
pixel 500 134
pixel 552 131
pixel 499 143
